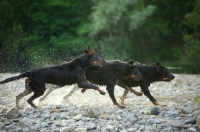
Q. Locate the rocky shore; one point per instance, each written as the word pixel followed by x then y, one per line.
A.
pixel 93 112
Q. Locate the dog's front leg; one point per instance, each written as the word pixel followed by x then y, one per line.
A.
pixel 110 89
pixel 121 84
pixel 84 84
pixel 146 92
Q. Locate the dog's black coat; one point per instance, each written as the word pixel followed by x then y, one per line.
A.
pixel 151 74
pixel 110 74
pixel 66 74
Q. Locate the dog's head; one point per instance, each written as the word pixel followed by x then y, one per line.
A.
pixel 163 73
pixel 134 73
pixel 92 58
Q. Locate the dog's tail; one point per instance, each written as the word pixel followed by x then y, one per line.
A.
pixel 25 74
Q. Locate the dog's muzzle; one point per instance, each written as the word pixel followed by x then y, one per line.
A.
pixel 168 79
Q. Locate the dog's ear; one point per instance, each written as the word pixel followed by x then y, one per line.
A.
pixel 85 51
pixel 90 51
pixel 131 61
pixel 158 66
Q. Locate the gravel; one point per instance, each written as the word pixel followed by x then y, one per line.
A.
pixel 93 112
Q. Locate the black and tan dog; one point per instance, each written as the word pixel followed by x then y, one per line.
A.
pixel 151 74
pixel 72 72
pixel 110 75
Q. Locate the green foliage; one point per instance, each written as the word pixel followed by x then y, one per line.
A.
pixel 41 33
pixel 161 33
pixel 47 32
pixel 192 37
pixel 113 21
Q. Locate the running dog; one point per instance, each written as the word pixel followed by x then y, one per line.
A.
pixel 154 73
pixel 72 72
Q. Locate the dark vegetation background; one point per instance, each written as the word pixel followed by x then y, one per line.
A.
pixel 38 33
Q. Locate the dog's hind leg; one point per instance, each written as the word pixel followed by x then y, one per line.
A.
pixel 124 96
pixel 75 88
pixel 39 89
pixel 26 92
pixel 47 92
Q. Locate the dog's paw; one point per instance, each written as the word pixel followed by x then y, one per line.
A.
pixel 102 92
pixel 158 104
pixel 120 106
pixel 83 90
pixel 139 94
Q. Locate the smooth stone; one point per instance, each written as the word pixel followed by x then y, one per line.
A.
pixel 90 125
pixel 173 104
pixel 78 117
pixel 66 129
pixel 110 127
pixel 57 123
pixel 132 129
pixel 186 110
pixel 36 126
pixel 44 124
pixel 168 129
pixel 191 129
pixel 175 123
pixel 154 111
pixel 73 113
pixel 133 120
pixel 154 121
pixel 26 129
pixel 189 103
pixel 148 127
pixel 25 122
pixel 80 130
pixel 63 115
pixel 13 113
pixel 119 111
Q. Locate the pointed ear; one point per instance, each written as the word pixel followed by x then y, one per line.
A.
pixel 158 66
pixel 131 61
pixel 90 51
pixel 85 51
